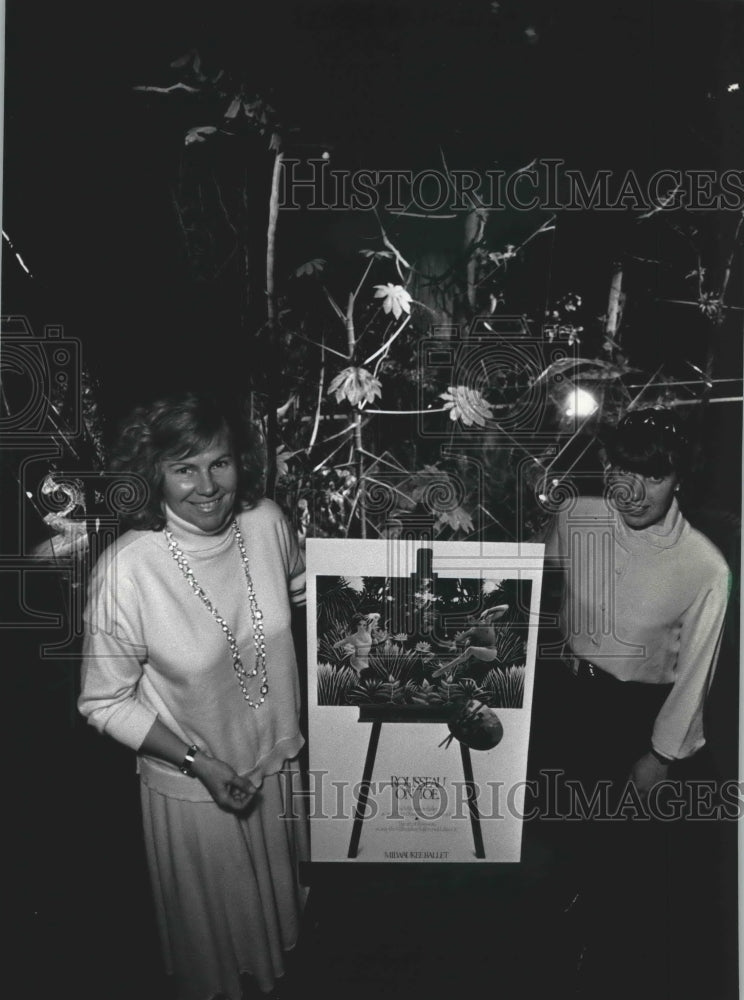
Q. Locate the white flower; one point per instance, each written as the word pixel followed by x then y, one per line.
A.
pixel 466 404
pixel 357 385
pixel 395 299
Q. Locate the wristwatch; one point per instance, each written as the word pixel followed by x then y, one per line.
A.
pixel 188 760
pixel 661 758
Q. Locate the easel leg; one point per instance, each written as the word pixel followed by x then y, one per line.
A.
pixel 369 763
pixel 472 794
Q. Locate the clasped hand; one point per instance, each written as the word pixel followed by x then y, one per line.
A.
pixel 230 790
pixel 647 772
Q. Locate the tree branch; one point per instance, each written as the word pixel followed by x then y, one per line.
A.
pixel 319 403
pixel 271 238
pixel 386 346
pixel 364 276
pixel 169 90
pixel 334 305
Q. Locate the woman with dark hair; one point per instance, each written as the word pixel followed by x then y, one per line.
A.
pixel 189 660
pixel 644 597
pixel 358 643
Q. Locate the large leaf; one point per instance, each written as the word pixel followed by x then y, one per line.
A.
pixel 395 299
pixel 467 405
pixel 310 267
pixel 198 134
pixel 457 519
pixel 282 461
pixel 378 255
pixel 356 385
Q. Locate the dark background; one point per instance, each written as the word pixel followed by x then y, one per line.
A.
pixel 87 169
pixel 88 161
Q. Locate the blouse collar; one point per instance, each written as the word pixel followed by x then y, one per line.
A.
pixel 192 538
pixel 661 535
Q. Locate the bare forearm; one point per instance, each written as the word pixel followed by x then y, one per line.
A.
pixel 229 790
pixel 161 742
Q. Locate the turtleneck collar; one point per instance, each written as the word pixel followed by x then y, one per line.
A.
pixel 195 539
pixel 662 535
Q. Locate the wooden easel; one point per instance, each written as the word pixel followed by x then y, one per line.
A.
pixel 365 715
pixel 377 714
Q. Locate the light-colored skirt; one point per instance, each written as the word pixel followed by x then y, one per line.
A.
pixel 226 890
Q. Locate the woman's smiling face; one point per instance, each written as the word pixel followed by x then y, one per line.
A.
pixel 641 501
pixel 202 488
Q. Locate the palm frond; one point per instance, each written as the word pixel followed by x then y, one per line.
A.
pixel 334 632
pixel 334 684
pixel 337 601
pixel 510 646
pixel 392 660
pixel 504 687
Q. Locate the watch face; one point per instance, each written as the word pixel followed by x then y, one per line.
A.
pixel 188 761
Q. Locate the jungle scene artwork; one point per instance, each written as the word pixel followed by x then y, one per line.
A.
pixel 433 643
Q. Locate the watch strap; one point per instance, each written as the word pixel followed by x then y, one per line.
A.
pixel 188 760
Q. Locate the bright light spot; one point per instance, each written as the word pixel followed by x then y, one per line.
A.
pixel 580 403
pixel 29 494
pixel 541 497
pixel 326 155
pixel 555 482
pixel 732 86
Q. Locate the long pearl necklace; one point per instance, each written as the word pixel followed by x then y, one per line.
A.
pixel 259 640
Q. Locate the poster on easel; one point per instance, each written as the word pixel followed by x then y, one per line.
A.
pixel 420 675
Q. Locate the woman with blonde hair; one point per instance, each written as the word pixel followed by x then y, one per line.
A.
pixel 189 660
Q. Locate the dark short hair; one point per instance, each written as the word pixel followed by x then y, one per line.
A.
pixel 178 426
pixel 649 441
pixel 356 619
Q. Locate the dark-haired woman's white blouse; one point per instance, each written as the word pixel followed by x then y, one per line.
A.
pixel 644 606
